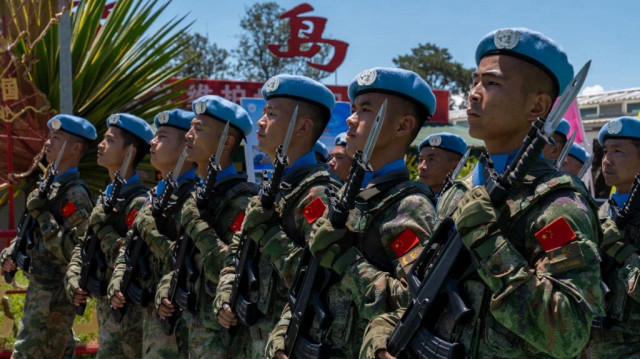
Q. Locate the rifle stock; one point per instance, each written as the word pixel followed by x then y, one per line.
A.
pixel 24 241
pixel 136 252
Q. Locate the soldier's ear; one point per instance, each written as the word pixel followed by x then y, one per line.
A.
pixel 306 125
pixel 405 125
pixel 540 106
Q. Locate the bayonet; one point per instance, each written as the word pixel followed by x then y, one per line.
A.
pixel 171 177
pixel 585 167
pixel 56 164
pixel 159 204
pixel 203 193
pixel 565 100
pixel 565 151
pixel 373 134
pixel 47 180
pixel 461 164
pixel 287 137
pixel 221 142
pixel 125 164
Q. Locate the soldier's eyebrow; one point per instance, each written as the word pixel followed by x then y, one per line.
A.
pixel 488 74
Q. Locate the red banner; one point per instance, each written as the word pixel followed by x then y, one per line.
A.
pixel 235 90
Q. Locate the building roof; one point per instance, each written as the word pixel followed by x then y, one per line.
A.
pixel 617 96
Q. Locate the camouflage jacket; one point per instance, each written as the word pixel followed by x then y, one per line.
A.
pixel 110 232
pixel 57 231
pixel 623 303
pixel 298 189
pixel 526 302
pixel 392 220
pixel 216 225
pixel 160 245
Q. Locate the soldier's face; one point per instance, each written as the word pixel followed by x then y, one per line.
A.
pixel 340 162
pixel 112 150
pixel 366 107
pixel 620 163
pixel 572 165
pixel 435 163
pixel 273 125
pixel 54 145
pixel 498 105
pixel 202 138
pixel 166 148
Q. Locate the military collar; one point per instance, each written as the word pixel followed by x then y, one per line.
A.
pixel 393 166
pixel 620 198
pixel 308 158
pixel 190 175
pixel 132 181
pixel 500 163
pixel 66 175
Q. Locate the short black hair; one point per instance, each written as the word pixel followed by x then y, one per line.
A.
pixel 319 114
pixel 142 148
pixel 560 138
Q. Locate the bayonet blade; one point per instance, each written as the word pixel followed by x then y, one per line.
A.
pixel 223 139
pixel 59 158
pixel 176 170
pixel 461 164
pixel 584 168
pixel 565 100
pixel 125 163
pixel 287 138
pixel 374 132
pixel 565 151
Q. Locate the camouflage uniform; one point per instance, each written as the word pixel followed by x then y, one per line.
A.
pixel 159 235
pixel 621 338
pixel 300 186
pixel 521 307
pixel 391 209
pixel 116 340
pixel 45 329
pixel 212 229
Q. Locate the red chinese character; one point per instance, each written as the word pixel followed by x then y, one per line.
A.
pixel 303 33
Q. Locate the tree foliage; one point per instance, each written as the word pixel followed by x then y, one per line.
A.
pixel 262 26
pixel 200 58
pixel 436 66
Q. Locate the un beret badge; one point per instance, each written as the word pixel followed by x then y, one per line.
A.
pixel 163 117
pixel 367 77
pixel 113 119
pixel 56 124
pixel 201 107
pixel 614 127
pixel 435 141
pixel 272 84
pixel 506 39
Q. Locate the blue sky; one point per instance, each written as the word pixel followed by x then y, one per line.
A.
pixel 606 32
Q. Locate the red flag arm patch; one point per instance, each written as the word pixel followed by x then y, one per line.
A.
pixel 237 223
pixel 404 242
pixel 314 210
pixel 131 217
pixel 555 234
pixel 69 209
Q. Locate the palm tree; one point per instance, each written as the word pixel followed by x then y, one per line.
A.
pixel 119 65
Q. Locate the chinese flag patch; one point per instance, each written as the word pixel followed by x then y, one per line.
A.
pixel 314 210
pixel 405 241
pixel 237 223
pixel 131 217
pixel 69 209
pixel 555 234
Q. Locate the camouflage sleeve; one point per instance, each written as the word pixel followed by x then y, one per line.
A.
pixel 110 240
pixel 159 244
pixel 60 239
pixel 227 274
pixel 287 264
pixel 162 291
pixel 276 338
pixel 6 252
pixel 539 297
pixel 629 274
pixel 448 200
pixel 377 333
pixel 119 267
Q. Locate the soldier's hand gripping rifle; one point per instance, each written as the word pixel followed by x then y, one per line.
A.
pixel 246 281
pixel 565 152
pixel 305 295
pixel 631 206
pixel 136 253
pixel 94 264
pixel 25 240
pixel 451 176
pixel 181 297
pixel 431 273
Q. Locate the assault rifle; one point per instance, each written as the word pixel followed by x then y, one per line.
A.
pixel 631 206
pixel 311 280
pixel 565 152
pixel 451 176
pixel 183 298
pixel 246 281
pixel 25 240
pixel 137 251
pixel 432 271
pixel 94 264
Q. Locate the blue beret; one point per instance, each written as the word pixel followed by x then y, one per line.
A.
pixel 623 127
pixel 225 111
pixel 401 82
pixel 579 153
pixel 74 125
pixel 133 124
pixel 563 128
pixel 446 141
pixel 321 149
pixel 341 139
pixel 299 87
pixel 177 118
pixel 530 46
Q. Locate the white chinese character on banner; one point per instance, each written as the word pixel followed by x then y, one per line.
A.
pixel 233 95
pixel 199 90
